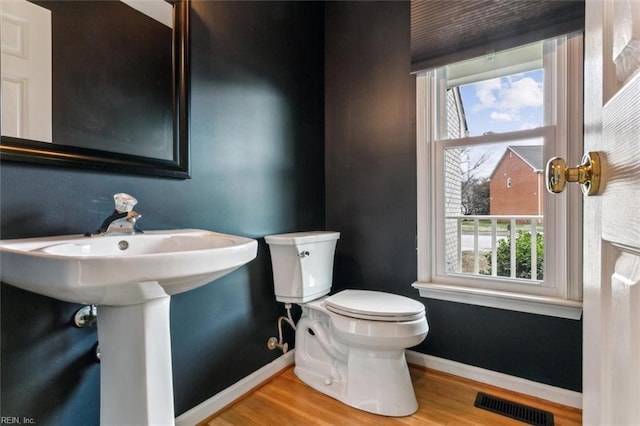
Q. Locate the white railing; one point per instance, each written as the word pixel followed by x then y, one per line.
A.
pixel 475 239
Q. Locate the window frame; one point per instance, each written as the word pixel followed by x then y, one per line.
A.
pixel 563 59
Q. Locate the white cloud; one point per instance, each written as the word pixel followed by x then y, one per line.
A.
pixel 504 116
pixel 527 125
pixel 508 95
pixel 525 92
pixel 487 92
pixel 504 104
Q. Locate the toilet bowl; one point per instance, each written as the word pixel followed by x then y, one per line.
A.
pixel 350 345
pixel 359 361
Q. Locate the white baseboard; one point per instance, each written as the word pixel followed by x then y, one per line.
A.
pixel 220 400
pixel 505 381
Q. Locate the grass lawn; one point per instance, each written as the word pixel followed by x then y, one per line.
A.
pixel 484 227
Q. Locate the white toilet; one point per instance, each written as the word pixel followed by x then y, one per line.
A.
pixel 350 345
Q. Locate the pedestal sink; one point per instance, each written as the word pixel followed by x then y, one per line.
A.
pixel 132 278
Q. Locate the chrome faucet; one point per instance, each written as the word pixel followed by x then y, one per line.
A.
pixel 123 219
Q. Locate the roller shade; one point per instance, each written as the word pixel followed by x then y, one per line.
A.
pixel 447 31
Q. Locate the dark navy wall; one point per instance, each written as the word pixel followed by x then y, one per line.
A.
pixel 257 131
pixel 371 199
pixel 257 168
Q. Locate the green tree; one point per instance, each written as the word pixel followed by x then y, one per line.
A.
pixel 523 256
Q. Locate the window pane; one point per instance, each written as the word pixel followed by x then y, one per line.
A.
pixel 498 105
pixel 493 201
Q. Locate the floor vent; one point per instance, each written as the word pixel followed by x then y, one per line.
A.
pixel 530 415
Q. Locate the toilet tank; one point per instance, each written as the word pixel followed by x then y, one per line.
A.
pixel 302 264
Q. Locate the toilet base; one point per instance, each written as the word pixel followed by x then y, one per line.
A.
pixel 376 381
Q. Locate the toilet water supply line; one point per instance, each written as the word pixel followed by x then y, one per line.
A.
pixel 274 343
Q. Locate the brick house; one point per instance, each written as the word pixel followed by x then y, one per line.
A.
pixel 517 183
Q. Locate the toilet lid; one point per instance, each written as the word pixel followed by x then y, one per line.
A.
pixel 374 305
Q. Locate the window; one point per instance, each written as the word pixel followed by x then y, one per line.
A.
pixel 488 231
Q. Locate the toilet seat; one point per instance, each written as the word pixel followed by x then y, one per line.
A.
pixel 374 306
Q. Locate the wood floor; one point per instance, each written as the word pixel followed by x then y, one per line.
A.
pixel 444 400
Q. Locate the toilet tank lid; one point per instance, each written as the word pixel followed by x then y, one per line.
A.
pixel 302 237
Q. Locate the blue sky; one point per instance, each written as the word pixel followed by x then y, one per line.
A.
pixel 502 105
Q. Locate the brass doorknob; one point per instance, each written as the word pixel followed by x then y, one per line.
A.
pixel 587 174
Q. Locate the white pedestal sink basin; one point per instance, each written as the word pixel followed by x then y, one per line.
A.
pixel 132 278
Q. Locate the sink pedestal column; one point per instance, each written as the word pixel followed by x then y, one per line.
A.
pixel 136 383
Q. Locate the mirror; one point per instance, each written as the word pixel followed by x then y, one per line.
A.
pixel 114 95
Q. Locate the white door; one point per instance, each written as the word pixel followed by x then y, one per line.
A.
pixel 611 370
pixel 26 70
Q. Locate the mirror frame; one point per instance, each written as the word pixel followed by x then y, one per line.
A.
pixel 49 154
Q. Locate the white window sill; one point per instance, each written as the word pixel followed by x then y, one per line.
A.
pixel 540 305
